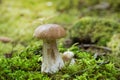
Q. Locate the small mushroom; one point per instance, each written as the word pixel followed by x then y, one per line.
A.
pixel 52 60
pixel 68 57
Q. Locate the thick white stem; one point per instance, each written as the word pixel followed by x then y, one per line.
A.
pixel 52 60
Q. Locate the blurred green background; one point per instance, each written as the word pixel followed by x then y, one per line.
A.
pixel 19 18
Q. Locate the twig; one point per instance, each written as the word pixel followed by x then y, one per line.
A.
pixel 95 46
pixel 79 72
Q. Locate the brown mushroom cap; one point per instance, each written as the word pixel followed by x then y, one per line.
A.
pixel 49 31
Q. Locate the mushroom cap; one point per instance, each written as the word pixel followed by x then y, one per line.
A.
pixel 49 31
pixel 68 54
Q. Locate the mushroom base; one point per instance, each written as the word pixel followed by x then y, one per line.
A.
pixel 52 60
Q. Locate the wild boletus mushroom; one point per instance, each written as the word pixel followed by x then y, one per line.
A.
pixel 52 60
pixel 68 57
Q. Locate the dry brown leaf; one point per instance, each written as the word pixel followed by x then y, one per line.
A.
pixel 5 39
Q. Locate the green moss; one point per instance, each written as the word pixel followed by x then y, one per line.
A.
pixel 27 65
pixel 100 30
pixel 114 44
pixel 5 48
